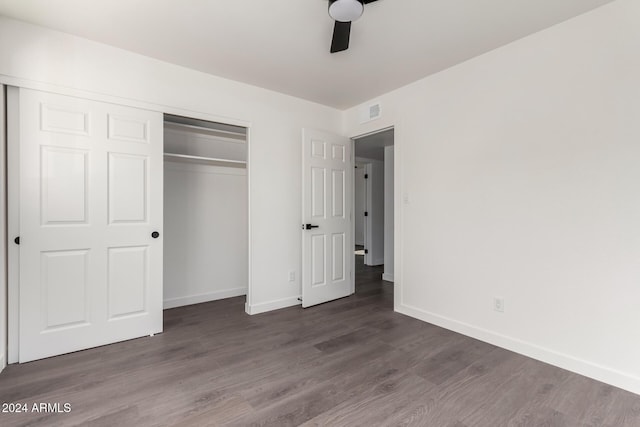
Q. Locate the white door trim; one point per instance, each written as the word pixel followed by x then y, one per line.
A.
pixel 3 230
pixel 127 102
pixel 13 224
pixel 248 298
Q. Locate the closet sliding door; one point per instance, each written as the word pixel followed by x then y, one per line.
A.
pixel 90 243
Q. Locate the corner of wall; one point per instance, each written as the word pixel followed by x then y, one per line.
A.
pixel 3 249
pixel 579 366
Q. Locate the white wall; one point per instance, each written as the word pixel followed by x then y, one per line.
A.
pixel 388 214
pixel 205 233
pixel 40 58
pixel 520 173
pixel 3 237
pixel 360 199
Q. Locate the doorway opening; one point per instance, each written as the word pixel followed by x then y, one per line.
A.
pixel 205 211
pixel 374 208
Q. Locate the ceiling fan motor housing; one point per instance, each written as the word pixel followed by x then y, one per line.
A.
pixel 346 10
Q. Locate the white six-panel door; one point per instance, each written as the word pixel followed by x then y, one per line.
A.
pixel 90 196
pixel 327 249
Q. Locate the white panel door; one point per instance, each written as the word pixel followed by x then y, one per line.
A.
pixel 90 199
pixel 327 247
pixel 360 203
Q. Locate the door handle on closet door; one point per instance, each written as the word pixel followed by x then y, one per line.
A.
pixel 309 226
pixel 155 234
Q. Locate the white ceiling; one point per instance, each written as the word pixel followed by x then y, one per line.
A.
pixel 283 45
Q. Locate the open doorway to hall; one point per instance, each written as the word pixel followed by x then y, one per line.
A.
pixel 374 209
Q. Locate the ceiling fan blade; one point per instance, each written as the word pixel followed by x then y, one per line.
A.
pixel 368 1
pixel 341 32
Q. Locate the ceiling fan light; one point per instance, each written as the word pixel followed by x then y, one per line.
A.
pixel 346 10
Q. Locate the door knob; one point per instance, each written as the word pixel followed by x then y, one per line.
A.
pixel 155 234
pixel 309 226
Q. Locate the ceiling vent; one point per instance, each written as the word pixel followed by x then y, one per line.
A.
pixel 370 112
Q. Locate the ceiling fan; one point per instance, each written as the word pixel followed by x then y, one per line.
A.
pixel 344 12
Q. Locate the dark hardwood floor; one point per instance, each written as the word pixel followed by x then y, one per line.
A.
pixel 352 362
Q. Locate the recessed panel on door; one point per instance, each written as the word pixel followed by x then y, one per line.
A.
pixel 318 192
pixel 338 193
pixel 318 260
pixel 128 129
pixel 64 289
pixel 318 149
pixel 55 118
pixel 338 152
pixel 127 281
pixel 338 256
pixel 128 182
pixel 64 183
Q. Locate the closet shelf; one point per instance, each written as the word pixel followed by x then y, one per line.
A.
pixel 185 158
pixel 236 137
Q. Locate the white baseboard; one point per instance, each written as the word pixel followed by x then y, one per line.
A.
pixel 388 277
pixel 263 307
pixel 583 367
pixel 197 299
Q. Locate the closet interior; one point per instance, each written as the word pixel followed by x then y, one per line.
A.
pixel 205 211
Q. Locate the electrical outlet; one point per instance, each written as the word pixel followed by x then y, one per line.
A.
pixel 498 304
pixel 292 276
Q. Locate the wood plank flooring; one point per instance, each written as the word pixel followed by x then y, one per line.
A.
pixel 352 362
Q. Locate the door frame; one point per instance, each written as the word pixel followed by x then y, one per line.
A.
pixel 13 224
pixel 3 229
pixel 397 208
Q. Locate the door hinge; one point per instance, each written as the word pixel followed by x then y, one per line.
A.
pixel 366 214
pixel 366 251
pixel 366 176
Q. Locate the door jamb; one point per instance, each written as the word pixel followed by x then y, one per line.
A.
pixel 13 224
pixel 3 229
